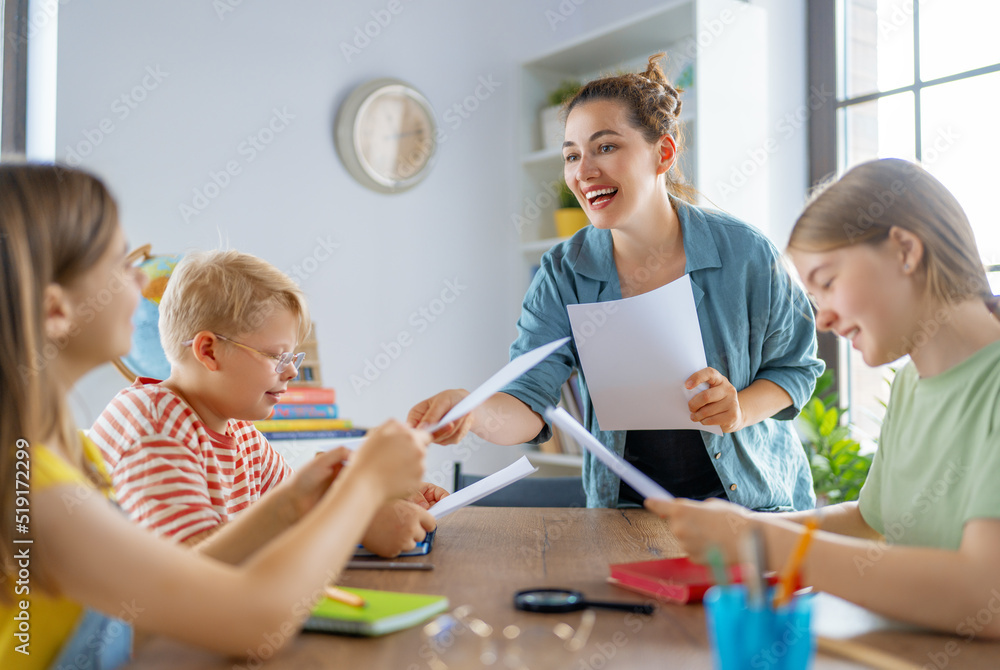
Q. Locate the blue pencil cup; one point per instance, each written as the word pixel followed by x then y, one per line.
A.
pixel 744 636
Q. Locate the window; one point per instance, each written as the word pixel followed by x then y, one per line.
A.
pixel 920 80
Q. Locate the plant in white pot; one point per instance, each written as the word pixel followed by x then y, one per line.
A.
pixel 551 119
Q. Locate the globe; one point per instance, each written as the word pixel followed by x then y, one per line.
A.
pixel 146 358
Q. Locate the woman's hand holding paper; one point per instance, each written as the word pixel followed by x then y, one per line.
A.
pixel 430 411
pixel 718 405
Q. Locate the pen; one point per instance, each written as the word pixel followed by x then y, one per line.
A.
pixel 341 596
pixel 718 565
pixel 794 563
pixel 754 558
pixel 387 565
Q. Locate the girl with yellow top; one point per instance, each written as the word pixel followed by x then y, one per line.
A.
pixel 75 574
pixel 892 264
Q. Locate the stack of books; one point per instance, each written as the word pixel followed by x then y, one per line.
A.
pixel 572 402
pixel 307 413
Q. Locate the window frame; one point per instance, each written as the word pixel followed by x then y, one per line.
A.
pixel 14 82
pixel 824 144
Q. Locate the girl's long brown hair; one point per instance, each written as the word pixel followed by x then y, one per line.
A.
pixel 55 223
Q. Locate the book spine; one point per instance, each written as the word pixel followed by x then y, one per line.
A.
pixel 283 411
pixel 281 425
pixel 330 625
pixel 309 396
pixel 314 434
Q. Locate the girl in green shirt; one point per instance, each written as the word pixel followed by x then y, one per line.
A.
pixel 891 262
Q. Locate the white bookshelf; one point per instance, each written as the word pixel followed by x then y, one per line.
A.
pixel 724 113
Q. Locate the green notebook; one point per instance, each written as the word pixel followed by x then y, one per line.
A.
pixel 386 612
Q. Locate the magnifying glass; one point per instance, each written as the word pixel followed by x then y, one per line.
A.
pixel 567 600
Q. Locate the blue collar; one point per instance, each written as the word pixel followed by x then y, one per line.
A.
pixel 591 253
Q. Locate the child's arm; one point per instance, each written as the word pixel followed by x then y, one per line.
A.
pixel 937 588
pixel 843 519
pixel 396 527
pixel 278 509
pixel 96 557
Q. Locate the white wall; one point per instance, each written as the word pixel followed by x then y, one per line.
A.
pixel 219 79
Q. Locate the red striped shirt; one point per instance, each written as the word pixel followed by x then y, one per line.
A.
pixel 174 475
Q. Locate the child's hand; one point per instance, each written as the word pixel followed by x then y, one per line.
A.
pixel 718 405
pixel 397 527
pixel 394 455
pixel 428 495
pixel 700 525
pixel 308 484
pixel 429 412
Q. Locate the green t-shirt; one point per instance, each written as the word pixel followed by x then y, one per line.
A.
pixel 938 459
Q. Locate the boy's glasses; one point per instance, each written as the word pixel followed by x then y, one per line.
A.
pixel 283 360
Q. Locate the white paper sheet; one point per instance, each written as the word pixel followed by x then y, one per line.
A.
pixel 506 375
pixel 636 354
pixel 519 469
pixel 634 477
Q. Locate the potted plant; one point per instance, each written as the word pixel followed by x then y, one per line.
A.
pixel 570 216
pixel 551 123
pixel 838 466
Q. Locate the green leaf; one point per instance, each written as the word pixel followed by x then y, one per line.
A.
pixel 840 434
pixel 830 420
pixel 824 382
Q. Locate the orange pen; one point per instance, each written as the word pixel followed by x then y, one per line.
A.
pixel 794 564
pixel 342 596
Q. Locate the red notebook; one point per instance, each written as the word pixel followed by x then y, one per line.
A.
pixel 674 579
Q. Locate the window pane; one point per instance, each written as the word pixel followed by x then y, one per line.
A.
pixel 867 390
pixel 994 278
pixel 960 145
pixel 876 45
pixel 882 128
pixel 957 35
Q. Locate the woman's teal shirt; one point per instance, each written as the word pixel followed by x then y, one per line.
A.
pixel 756 323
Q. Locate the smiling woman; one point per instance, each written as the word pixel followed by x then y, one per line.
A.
pixel 620 161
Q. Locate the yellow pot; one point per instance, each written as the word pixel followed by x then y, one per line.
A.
pixel 569 220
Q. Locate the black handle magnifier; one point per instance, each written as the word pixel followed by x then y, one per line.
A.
pixel 567 600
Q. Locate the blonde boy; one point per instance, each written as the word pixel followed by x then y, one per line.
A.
pixel 183 454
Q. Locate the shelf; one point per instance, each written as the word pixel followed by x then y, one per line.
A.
pixel 644 34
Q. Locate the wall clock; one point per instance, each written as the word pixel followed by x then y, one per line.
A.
pixel 386 135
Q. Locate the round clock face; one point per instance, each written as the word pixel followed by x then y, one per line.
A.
pixel 386 136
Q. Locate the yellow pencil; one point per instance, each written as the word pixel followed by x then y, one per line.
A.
pixel 794 564
pixel 342 596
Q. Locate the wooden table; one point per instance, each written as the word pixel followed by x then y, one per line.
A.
pixel 483 555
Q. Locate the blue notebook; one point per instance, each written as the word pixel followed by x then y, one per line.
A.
pixel 422 549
